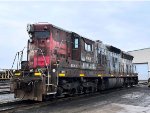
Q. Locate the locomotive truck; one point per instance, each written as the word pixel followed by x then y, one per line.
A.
pixel 61 62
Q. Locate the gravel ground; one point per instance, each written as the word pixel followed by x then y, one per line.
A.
pixel 131 100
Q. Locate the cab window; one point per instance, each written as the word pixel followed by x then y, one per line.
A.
pixel 42 34
pixel 88 47
pixel 76 43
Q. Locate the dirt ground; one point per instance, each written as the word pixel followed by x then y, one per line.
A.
pixel 131 100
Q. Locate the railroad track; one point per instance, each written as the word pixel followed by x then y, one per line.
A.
pixel 2 83
pixel 9 107
pixel 5 92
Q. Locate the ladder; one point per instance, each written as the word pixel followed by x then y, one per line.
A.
pixel 50 87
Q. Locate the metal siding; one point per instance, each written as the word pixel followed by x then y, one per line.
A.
pixel 142 70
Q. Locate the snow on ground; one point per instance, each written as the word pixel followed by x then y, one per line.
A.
pixel 133 95
pixel 7 98
pixel 121 108
pixel 6 89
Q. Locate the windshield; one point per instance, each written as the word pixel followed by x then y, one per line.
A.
pixel 41 34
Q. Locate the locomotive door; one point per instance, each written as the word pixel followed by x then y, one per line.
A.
pixel 76 48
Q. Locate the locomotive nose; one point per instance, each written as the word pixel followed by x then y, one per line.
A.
pixel 41 61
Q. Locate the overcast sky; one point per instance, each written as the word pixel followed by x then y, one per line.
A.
pixel 125 25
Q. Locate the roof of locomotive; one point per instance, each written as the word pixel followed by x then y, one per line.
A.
pixel 46 23
pixel 124 55
pixel 61 29
pixel 113 49
pixel 127 55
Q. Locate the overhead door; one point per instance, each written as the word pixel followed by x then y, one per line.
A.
pixel 142 70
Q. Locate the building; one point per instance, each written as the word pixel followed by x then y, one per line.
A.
pixel 142 62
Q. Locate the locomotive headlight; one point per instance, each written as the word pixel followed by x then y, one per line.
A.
pixel 37 74
pixel 17 74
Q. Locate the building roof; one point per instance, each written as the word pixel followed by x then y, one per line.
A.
pixel 139 49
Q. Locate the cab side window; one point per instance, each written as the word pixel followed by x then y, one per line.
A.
pixel 76 43
pixel 88 47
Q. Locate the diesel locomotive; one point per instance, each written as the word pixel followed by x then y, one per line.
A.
pixel 61 62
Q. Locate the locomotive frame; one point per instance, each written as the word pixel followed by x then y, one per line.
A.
pixel 61 62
